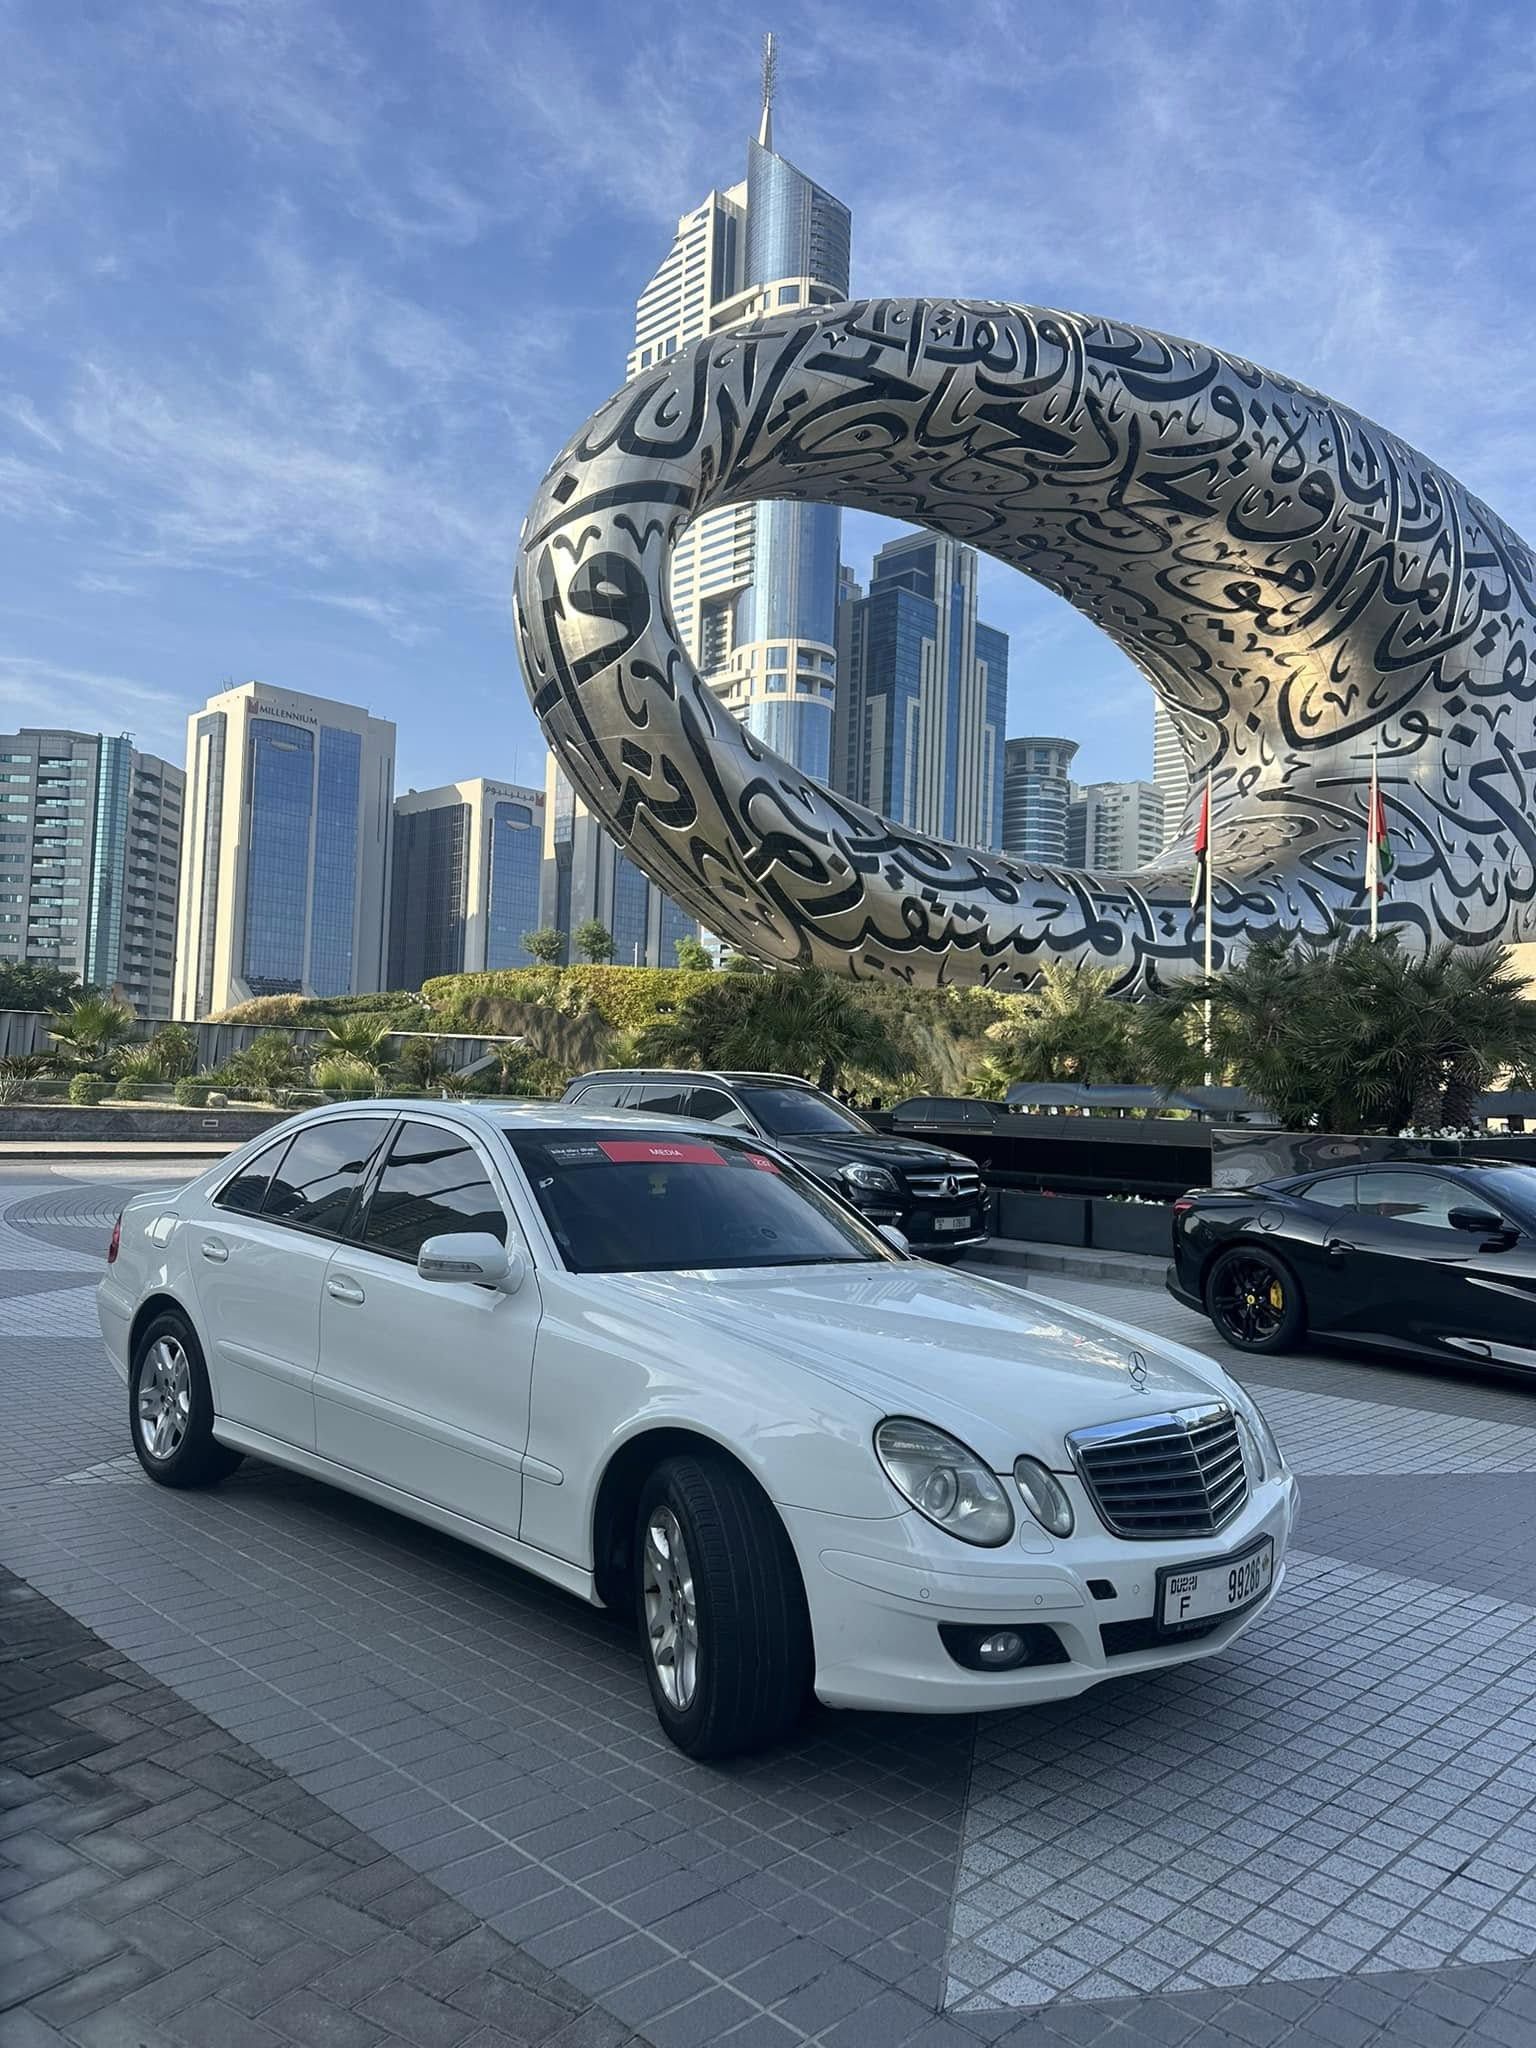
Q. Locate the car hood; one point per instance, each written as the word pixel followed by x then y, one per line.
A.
pixel 1005 1370
pixel 828 1150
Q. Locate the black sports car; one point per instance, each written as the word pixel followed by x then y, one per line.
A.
pixel 1431 1259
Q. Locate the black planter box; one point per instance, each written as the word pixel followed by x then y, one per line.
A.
pixel 1132 1227
pixel 1042 1219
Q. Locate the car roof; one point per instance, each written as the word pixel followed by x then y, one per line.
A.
pixel 528 1115
pixel 730 1075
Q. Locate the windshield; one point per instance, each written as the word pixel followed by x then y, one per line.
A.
pixel 1515 1186
pixel 798 1112
pixel 649 1204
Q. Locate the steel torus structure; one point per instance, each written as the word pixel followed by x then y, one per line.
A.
pixel 1298 586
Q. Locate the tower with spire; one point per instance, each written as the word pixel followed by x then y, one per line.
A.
pixel 754 587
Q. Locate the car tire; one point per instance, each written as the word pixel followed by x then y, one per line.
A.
pixel 724 1629
pixel 170 1408
pixel 1255 1301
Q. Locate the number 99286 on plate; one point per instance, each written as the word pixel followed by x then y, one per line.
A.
pixel 1212 1591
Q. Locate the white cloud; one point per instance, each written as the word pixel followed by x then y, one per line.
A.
pixel 43 692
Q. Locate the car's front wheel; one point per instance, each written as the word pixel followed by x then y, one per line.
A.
pixel 170 1408
pixel 1255 1300
pixel 722 1612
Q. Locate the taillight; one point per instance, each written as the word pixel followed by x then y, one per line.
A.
pixel 114 1242
pixel 1183 1208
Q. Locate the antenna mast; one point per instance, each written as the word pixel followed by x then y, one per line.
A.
pixel 770 81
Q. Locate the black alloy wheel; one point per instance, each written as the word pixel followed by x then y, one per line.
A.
pixel 1255 1301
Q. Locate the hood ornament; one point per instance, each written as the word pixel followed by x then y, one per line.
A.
pixel 1138 1370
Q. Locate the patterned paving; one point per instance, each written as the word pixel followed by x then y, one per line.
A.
pixel 1324 1835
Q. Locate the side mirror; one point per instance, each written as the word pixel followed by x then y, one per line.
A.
pixel 1480 1223
pixel 473 1257
pixel 896 1237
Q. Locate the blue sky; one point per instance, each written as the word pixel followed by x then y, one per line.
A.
pixel 298 297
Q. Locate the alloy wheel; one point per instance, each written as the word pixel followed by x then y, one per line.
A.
pixel 671 1613
pixel 165 1399
pixel 1248 1300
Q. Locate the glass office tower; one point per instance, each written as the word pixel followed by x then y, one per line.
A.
pixel 468 864
pixel 287 849
pixel 924 694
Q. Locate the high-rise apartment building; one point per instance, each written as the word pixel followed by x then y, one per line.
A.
pixel 923 694
pixel 1115 826
pixel 468 863
pixel 586 876
pixel 1170 770
pixel 90 834
pixel 286 851
pixel 755 587
pixel 1037 795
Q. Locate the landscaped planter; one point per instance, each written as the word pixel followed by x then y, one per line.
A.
pixel 123 1123
pixel 1145 1227
pixel 1042 1219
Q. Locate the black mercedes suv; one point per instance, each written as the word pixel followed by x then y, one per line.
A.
pixel 935 1198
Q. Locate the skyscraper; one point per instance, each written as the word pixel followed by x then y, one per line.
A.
pixel 1037 794
pixel 1170 770
pixel 286 854
pixel 586 876
pixel 1115 827
pixel 923 694
pixel 755 587
pixel 90 833
pixel 468 864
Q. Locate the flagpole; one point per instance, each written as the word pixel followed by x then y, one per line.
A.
pixel 1209 872
pixel 1372 848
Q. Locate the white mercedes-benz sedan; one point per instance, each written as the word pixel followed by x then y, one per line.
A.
pixel 658 1365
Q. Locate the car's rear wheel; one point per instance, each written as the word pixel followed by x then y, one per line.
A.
pixel 1255 1300
pixel 170 1408
pixel 723 1621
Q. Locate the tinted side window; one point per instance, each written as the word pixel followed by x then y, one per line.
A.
pixel 716 1107
pixel 246 1190
pixel 1422 1198
pixel 1337 1193
pixel 603 1095
pixel 433 1184
pixel 314 1186
pixel 664 1097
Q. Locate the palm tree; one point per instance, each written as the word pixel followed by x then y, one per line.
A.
pixel 1358 1036
pixel 1068 1027
pixel 796 1021
pixel 90 1030
pixel 359 1037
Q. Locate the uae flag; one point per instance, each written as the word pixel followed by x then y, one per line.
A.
pixel 1202 849
pixel 1378 843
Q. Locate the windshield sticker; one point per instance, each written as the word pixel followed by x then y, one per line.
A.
pixel 761 1162
pixel 659 1152
pixel 574 1155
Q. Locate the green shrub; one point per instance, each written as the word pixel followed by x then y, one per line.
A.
pixel 129 1090
pixel 86 1090
pixel 339 1073
pixel 192 1094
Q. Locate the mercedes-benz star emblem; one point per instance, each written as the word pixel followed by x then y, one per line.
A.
pixel 1138 1366
pixel 951 1185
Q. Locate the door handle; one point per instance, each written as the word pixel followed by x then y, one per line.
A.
pixel 1336 1247
pixel 214 1250
pixel 345 1290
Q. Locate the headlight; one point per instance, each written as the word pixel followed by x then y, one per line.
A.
pixel 874 1180
pixel 944 1481
pixel 1260 1451
pixel 1043 1496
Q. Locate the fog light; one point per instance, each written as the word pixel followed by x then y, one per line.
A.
pixel 1006 1647
pixel 1002 1649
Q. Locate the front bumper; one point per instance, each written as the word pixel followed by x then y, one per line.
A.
pixel 878 1591
pixel 919 1222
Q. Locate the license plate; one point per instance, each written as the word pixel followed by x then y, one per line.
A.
pixel 948 1223
pixel 1188 1593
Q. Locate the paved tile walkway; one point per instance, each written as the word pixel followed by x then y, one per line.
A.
pixel 1323 1836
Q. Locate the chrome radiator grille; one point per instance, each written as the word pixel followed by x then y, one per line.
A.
pixel 935 1186
pixel 1163 1476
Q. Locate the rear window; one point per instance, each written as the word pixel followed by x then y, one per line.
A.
pixel 314 1186
pixel 640 1204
